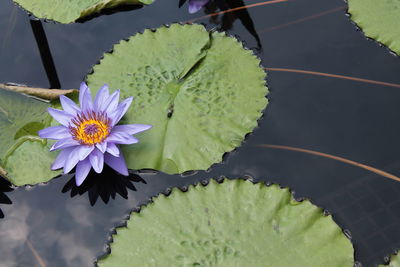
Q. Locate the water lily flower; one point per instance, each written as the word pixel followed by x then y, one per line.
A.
pixel 196 5
pixel 88 135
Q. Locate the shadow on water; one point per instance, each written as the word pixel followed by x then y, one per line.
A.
pixel 45 54
pixel 227 19
pixel 5 186
pixel 105 185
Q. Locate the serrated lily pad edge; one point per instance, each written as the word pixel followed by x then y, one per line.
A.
pixel 389 258
pixel 204 183
pixel 242 43
pixel 80 19
pixel 359 29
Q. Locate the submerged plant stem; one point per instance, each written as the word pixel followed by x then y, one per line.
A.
pixel 335 76
pixel 316 153
pixel 35 253
pixel 303 19
pixel 45 54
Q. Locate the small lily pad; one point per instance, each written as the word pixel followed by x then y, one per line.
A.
pixel 236 223
pixel 201 91
pixel 67 11
pixel 24 157
pixel 379 20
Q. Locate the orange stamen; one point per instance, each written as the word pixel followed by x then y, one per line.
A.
pixel 90 129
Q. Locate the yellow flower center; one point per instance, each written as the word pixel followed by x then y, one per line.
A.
pixel 90 129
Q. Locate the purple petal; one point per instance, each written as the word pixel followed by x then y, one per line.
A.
pixel 196 5
pixel 84 151
pixel 82 90
pixel 102 146
pixel 97 160
pixel 121 110
pixel 117 163
pixel 61 158
pixel 113 149
pixel 64 143
pixel 111 103
pixel 101 97
pixel 82 170
pixel 121 138
pixel 131 128
pixel 85 98
pixel 61 116
pixel 72 160
pixel 69 106
pixel 55 133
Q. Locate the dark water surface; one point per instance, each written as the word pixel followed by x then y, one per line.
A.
pixel 355 120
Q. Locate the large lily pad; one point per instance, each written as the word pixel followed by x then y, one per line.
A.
pixel 236 223
pixel 202 92
pixel 24 157
pixel 67 11
pixel 379 20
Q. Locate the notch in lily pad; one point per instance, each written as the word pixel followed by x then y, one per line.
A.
pixel 202 92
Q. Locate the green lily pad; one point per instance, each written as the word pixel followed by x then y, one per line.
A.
pixel 394 261
pixel 24 157
pixel 201 91
pixel 67 11
pixel 379 20
pixel 236 223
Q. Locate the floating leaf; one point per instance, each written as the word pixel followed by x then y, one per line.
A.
pixel 202 92
pixel 67 11
pixel 394 261
pixel 379 19
pixel 236 223
pixel 24 157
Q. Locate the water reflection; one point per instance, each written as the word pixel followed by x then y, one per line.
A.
pixel 356 120
pixel 228 18
pixel 46 226
pixel 105 185
pixel 5 186
pixel 45 54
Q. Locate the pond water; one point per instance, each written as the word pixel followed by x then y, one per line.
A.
pixel 352 119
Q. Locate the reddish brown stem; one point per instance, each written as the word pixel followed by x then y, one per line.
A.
pixel 335 76
pixel 35 253
pixel 303 19
pixel 316 153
